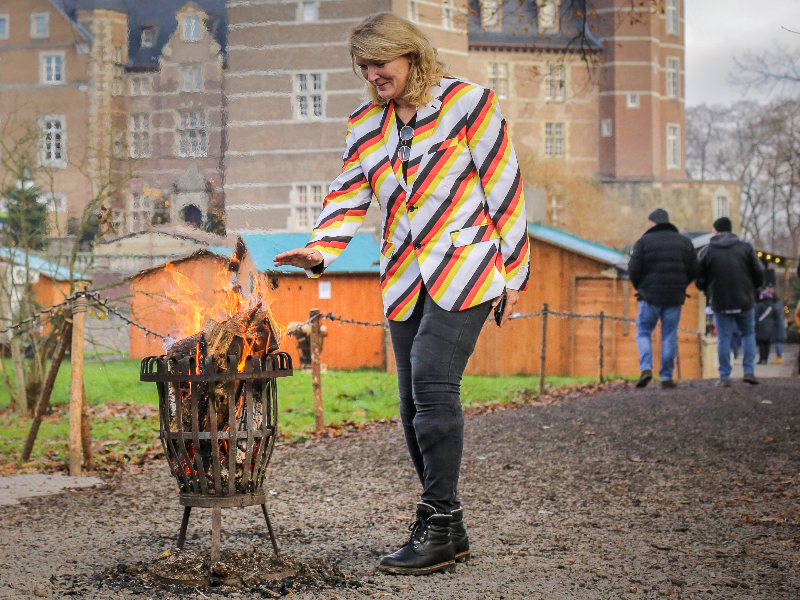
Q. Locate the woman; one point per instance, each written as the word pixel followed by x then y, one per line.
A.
pixel 435 152
pixel 766 321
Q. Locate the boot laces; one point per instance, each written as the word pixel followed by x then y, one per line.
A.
pixel 419 531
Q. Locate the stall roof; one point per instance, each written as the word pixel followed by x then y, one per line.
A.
pixel 577 244
pixel 40 265
pixel 362 254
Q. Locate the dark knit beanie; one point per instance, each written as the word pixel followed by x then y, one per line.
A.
pixel 659 216
pixel 723 224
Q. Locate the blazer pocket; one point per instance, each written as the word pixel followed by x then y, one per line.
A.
pixel 387 250
pixel 474 235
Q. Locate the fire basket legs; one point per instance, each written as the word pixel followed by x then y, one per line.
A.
pixel 184 524
pixel 216 525
pixel 269 528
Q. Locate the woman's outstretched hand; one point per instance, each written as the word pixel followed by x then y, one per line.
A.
pixel 305 258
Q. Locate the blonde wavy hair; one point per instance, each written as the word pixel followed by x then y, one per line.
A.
pixel 384 37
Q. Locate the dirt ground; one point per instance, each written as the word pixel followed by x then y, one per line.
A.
pixel 691 493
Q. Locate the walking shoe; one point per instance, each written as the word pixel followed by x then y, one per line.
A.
pixel 428 549
pixel 723 383
pixel 777 360
pixel 750 378
pixel 644 378
pixel 668 384
pixel 458 535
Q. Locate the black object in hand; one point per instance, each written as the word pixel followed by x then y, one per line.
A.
pixel 500 309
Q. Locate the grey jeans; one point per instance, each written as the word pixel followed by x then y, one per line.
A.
pixel 431 350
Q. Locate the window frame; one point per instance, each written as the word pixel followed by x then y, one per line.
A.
pixel 673 149
pixel 552 138
pixel 673 70
pixel 139 134
pixel 633 100
pixel 495 77
pixel 44 159
pixel 184 134
pixel 147 43
pixel 310 94
pixel 606 128
pixel 448 15
pixel 195 80
pixel 185 31
pixel 551 26
pixel 56 202
pixel 495 21
pixel 312 207
pixel 139 77
pixel 719 202
pixel 144 203
pixel 672 25
pixel 43 56
pixel 302 11
pixel 413 11
pixel 35 35
pixel 551 79
pixel 7 18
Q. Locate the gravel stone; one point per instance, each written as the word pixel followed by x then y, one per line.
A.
pixel 673 485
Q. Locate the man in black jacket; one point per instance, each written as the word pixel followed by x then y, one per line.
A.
pixel 729 273
pixel 662 264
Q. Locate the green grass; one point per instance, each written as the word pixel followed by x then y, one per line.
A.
pixel 126 428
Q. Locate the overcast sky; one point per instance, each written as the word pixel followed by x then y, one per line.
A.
pixel 719 30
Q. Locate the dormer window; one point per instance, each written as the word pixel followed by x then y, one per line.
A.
pixel 490 14
pixel 40 26
pixel 148 37
pixel 547 15
pixel 191 29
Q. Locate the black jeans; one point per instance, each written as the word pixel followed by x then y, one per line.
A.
pixel 431 350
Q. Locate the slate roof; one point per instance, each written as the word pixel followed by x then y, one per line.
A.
pixel 159 14
pixel 520 30
pixel 577 244
pixel 362 254
pixel 45 267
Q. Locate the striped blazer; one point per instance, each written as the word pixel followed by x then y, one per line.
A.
pixel 458 223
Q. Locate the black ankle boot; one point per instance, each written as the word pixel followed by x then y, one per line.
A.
pixel 458 535
pixel 428 549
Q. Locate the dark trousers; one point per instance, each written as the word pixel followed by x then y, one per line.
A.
pixel 763 351
pixel 431 350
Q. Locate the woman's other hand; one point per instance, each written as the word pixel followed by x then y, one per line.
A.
pixel 512 297
pixel 305 258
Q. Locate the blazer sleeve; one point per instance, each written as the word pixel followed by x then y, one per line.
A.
pixel 343 209
pixel 496 163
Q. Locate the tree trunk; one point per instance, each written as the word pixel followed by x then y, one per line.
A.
pixel 18 359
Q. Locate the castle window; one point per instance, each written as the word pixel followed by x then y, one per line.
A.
pixel 605 128
pixel 554 140
pixel 192 133
pixel 51 66
pixel 53 141
pixel 141 85
pixel 547 15
pixel 555 83
pixel 672 77
pixel 413 11
pixel 632 100
pixel 720 207
pixel 498 79
pixel 140 135
pixel 141 212
pixel 490 14
pixel 192 78
pixel 191 29
pixel 40 26
pixel 308 97
pixel 447 14
pixel 309 11
pixel 307 204
pixel 673 146
pixel 672 17
pixel 4 27
pixel 148 37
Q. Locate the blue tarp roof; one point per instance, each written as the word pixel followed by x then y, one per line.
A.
pixel 580 245
pixel 362 254
pixel 40 265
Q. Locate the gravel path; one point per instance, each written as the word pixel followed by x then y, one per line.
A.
pixel 620 494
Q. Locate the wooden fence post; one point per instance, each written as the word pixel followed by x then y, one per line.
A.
pixel 79 306
pixel 700 354
pixel 316 380
pixel 86 432
pixel 47 389
pixel 602 327
pixel 543 355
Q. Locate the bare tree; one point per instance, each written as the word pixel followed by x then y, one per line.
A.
pixel 777 70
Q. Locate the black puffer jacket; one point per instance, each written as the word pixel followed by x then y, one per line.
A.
pixel 662 264
pixel 729 273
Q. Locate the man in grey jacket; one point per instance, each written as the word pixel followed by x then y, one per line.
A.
pixel 729 272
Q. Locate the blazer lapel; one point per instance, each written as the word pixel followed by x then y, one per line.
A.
pixel 427 120
pixel 391 139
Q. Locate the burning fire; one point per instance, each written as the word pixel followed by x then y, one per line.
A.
pixel 193 310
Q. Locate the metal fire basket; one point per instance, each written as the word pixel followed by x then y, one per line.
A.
pixel 218 428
